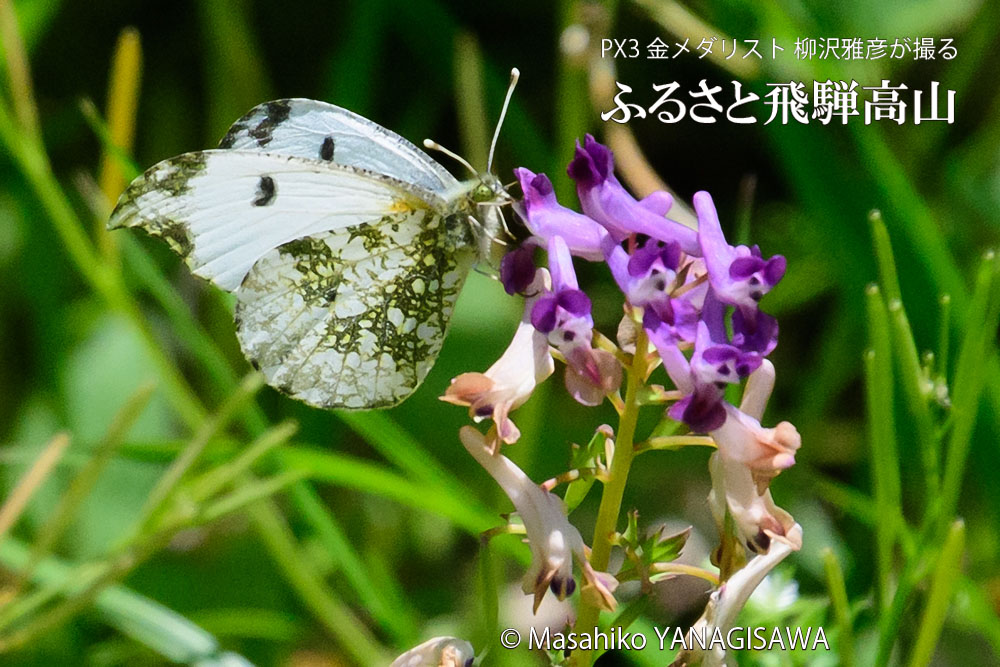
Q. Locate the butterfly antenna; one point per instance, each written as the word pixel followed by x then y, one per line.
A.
pixel 435 146
pixel 514 75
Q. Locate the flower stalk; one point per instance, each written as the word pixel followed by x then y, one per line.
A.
pixel 614 488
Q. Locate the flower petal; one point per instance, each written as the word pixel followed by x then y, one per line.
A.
pixel 605 200
pixel 546 218
pixel 517 269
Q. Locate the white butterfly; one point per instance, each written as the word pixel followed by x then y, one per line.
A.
pixel 345 244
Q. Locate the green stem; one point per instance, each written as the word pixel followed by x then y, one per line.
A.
pixel 942 589
pixel 614 489
pixel 841 606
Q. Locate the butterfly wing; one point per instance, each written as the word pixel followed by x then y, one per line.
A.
pixel 222 210
pixel 354 318
pixel 320 131
pixel 345 280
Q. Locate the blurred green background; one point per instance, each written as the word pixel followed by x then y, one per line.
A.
pixel 379 549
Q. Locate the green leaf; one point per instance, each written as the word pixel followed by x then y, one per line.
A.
pixel 665 549
pixel 591 456
pixel 641 553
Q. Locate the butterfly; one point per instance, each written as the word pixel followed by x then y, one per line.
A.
pixel 346 245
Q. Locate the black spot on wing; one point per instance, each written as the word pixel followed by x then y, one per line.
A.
pixel 326 150
pixel 276 113
pixel 175 233
pixel 266 191
pixel 229 140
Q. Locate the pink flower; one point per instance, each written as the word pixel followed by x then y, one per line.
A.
pixel 748 458
pixel 508 383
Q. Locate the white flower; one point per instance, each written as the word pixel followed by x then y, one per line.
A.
pixel 749 457
pixel 553 540
pixel 438 652
pixel 725 603
pixel 758 520
pixel 509 382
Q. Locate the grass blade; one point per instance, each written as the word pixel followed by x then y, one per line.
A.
pixel 371 478
pixel 911 374
pixel 88 475
pixel 18 71
pixel 841 608
pixel 389 608
pixel 217 478
pixel 123 103
pixel 882 431
pixel 353 637
pixel 945 575
pixel 169 634
pixel 970 377
pixel 18 499
pixel 189 456
pixel 469 100
pixel 399 447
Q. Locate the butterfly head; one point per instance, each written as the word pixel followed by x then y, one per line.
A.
pixel 485 200
pixel 484 196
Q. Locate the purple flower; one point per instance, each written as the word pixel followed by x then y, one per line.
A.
pixel 564 316
pixel 757 332
pixel 605 200
pixel 702 410
pixel 517 269
pixel 545 217
pixel 649 277
pixel 566 307
pixel 703 379
pixel 739 275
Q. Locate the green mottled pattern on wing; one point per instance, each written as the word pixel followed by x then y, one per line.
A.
pixel 354 318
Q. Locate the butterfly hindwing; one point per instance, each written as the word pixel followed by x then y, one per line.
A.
pixel 355 317
pixel 224 209
pixel 320 131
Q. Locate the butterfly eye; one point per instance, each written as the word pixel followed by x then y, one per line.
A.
pixel 483 192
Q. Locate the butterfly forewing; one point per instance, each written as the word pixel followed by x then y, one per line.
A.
pixel 222 210
pixel 354 318
pixel 320 131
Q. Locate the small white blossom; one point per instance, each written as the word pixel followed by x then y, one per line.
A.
pixel 438 652
pixel 553 540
